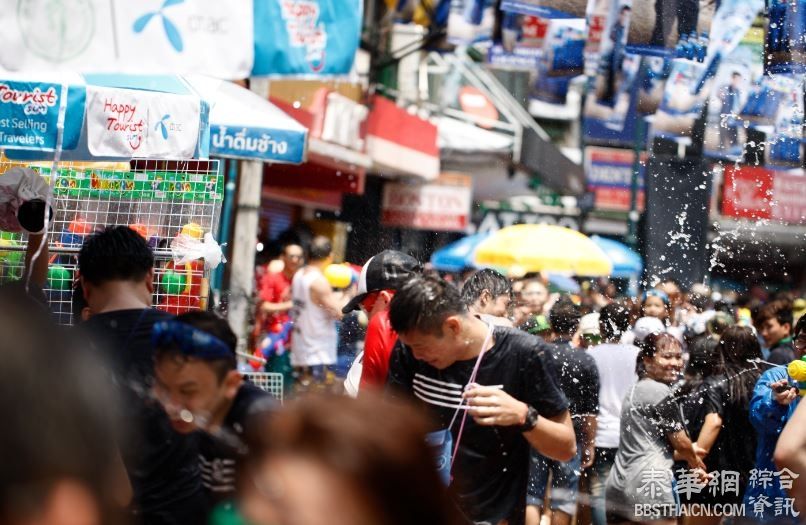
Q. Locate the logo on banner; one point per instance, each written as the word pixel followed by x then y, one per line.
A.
pixel 306 31
pixel 56 31
pixel 34 101
pixel 171 31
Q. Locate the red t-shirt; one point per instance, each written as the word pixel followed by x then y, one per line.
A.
pixel 274 288
pixel 378 345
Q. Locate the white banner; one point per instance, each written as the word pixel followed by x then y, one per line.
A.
pixel 128 123
pixel 143 36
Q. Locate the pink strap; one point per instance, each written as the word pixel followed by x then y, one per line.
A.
pixel 471 381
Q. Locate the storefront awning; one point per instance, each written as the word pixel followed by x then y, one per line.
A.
pixel 244 125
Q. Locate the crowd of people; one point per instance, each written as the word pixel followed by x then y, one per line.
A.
pixel 487 400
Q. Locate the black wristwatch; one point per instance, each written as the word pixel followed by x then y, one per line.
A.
pixel 531 420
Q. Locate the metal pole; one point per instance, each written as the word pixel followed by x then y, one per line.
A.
pixel 226 216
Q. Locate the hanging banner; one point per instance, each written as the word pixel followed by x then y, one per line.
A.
pixel 725 133
pixel 611 114
pixel 758 193
pixel 29 115
pixel 443 205
pixel 128 123
pixel 682 104
pixel 785 141
pixel 147 36
pixel 471 21
pixel 520 42
pixel 609 177
pixel 306 37
pixel 561 60
pixel 785 45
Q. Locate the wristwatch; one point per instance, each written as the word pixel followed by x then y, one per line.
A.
pixel 531 420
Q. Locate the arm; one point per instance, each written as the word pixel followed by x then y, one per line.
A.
pixel 791 451
pixel 324 297
pixel 768 408
pixel 588 440
pixel 709 432
pixel 37 270
pixel 684 449
pixel 377 350
pixel 273 308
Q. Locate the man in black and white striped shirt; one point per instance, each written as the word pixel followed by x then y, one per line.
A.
pixel 514 403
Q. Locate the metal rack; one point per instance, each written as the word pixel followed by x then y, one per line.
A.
pixel 157 198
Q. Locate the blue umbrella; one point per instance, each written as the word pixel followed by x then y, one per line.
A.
pixel 563 283
pixel 626 263
pixel 458 255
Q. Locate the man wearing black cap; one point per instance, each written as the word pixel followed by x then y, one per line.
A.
pixel 380 277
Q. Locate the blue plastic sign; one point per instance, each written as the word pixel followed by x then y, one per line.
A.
pixel 258 143
pixel 29 115
pixel 306 37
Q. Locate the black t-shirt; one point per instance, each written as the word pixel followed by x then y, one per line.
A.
pixel 491 469
pixel 782 353
pixel 219 453
pixel 579 379
pixel 162 464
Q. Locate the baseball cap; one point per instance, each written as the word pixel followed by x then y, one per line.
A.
pixel 389 270
pixel 589 324
pixel 647 325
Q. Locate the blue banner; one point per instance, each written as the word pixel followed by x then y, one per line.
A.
pixel 29 115
pixel 306 37
pixel 259 143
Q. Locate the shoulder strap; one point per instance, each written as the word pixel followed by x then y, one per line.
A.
pixel 461 404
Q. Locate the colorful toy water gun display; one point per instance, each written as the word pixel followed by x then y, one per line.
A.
pixel 341 276
pixel 797 371
pixel 182 283
pixel 60 293
pixel 11 261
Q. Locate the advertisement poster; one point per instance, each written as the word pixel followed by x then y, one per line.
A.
pixel 128 123
pixel 751 192
pixel 29 115
pixel 442 205
pixel 657 27
pixel 519 43
pixel 768 96
pixel 548 8
pixel 611 113
pixel 682 104
pixel 652 82
pixel 598 19
pixel 562 59
pixel 305 37
pixel 471 21
pixel 725 134
pixel 609 177
pixel 785 141
pixel 147 36
pixel 785 44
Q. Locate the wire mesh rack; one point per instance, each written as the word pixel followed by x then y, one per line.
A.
pixel 271 382
pixel 157 198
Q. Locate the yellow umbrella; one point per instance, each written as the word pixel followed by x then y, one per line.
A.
pixel 542 248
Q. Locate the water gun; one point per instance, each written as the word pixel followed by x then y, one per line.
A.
pixel 797 371
pixel 273 344
pixel 182 283
pixel 341 276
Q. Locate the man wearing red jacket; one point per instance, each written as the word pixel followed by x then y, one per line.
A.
pixel 380 277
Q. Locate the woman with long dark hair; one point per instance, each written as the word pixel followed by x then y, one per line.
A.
pixel 727 437
pixel 651 430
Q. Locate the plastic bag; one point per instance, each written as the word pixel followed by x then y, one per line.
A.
pixel 24 188
pixel 186 249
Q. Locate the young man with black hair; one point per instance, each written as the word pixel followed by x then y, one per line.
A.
pixel 616 365
pixel 515 402
pixel 199 387
pixel 579 381
pixel 317 307
pixel 488 292
pixel 117 274
pixel 774 323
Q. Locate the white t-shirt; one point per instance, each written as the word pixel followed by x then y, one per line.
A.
pixel 315 338
pixel 616 364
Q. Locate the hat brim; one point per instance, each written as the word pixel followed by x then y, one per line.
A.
pixel 354 304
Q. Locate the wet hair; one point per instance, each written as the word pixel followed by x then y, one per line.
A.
pixel 649 346
pixel 377 447
pixel 489 280
pixel 423 304
pixel 702 362
pixel 320 248
pixel 778 309
pixel 614 320
pixel 564 317
pixel 213 325
pixel 737 346
pixel 57 409
pixel 116 253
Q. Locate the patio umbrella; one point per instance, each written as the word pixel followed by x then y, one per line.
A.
pixel 626 263
pixel 457 255
pixel 527 248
